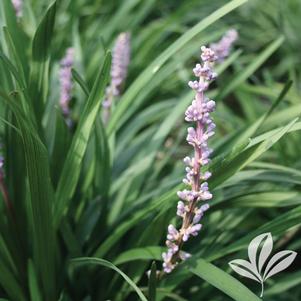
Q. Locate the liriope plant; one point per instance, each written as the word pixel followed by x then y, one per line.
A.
pixel 84 218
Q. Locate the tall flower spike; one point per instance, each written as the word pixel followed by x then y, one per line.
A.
pixel 119 69
pixel 223 47
pixel 188 208
pixel 18 5
pixel 66 83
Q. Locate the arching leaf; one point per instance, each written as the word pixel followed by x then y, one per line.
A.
pixel 105 263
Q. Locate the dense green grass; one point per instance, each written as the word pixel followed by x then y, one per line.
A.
pixel 90 205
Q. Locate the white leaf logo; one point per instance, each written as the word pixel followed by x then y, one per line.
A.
pixel 287 258
pixel 259 250
pixel 244 268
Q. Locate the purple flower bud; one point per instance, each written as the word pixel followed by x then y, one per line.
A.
pixel 194 112
pixel 192 137
pixel 172 247
pixel 211 126
pixel 188 161
pixel 166 256
pixel 204 207
pixel 186 235
pixel 208 54
pixel 187 195
pixel 210 105
pixel 191 230
pixel 194 230
pixel 198 86
pixel 172 233
pixel 197 217
pixel 168 266
pixel 205 72
pixel 193 84
pixel 181 209
pixel 206 175
pixel 204 186
pixel 199 212
pixel 206 195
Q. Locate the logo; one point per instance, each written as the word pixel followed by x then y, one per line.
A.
pixel 260 267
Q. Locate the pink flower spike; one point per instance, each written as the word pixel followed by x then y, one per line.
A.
pixel 198 135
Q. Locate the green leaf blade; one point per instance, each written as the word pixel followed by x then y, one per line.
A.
pixel 223 281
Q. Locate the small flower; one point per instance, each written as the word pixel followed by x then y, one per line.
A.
pixel 204 71
pixel 187 195
pixel 168 266
pixel 206 175
pixel 188 161
pixel 210 105
pixel 197 217
pixel 208 55
pixel 173 233
pixel 166 256
pixel 172 247
pixel 191 230
pixel 205 195
pixel 198 86
pixel 204 207
pixel 181 209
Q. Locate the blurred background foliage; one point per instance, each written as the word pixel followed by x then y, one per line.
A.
pixel 109 192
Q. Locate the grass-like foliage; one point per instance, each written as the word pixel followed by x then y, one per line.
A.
pixel 86 200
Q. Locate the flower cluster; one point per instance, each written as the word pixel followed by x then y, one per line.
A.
pixel 188 207
pixel 223 46
pixel 18 4
pixel 66 81
pixel 120 63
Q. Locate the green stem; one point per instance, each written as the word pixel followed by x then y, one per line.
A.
pixel 262 289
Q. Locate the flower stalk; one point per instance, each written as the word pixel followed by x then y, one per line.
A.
pixel 119 69
pixel 188 208
pixel 196 178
